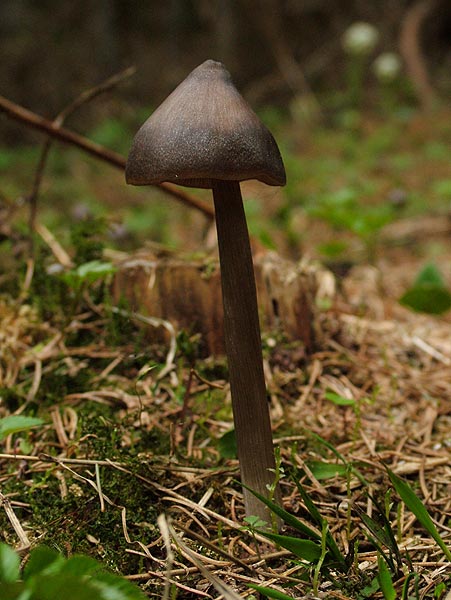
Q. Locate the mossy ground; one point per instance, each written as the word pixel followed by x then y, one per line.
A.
pixel 124 440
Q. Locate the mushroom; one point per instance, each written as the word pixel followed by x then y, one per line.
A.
pixel 205 135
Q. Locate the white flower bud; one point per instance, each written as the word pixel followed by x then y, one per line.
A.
pixel 360 38
pixel 387 66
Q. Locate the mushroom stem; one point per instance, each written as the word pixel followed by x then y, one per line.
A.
pixel 243 346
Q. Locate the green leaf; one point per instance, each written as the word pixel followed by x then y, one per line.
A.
pixel 43 560
pixel 17 423
pixel 305 549
pixel 383 533
pixel 88 273
pixel 287 517
pixel 414 504
pixel 269 592
pixel 385 580
pixel 105 586
pixel 227 445
pixel 114 587
pixel 340 456
pixel 428 293
pixel 69 587
pixel 321 522
pixel 406 587
pixel 339 400
pixel 13 591
pixel 369 590
pixel 253 522
pixel 48 575
pixel 439 590
pixel 429 275
pixel 81 565
pixel 324 470
pixel 377 530
pixel 9 564
pixel 427 298
pixel 95 269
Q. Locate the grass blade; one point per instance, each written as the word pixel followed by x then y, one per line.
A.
pixel 385 580
pixel 288 518
pixel 414 504
pixel 319 519
pixel 340 456
pixel 383 532
pixel 405 587
pixel 393 546
pixel 304 549
pixel 269 592
pixel 377 530
pixel 326 470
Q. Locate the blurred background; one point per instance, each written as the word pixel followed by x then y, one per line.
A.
pixel 356 93
pixel 275 49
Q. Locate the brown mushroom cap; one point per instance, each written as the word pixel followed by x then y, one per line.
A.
pixel 204 131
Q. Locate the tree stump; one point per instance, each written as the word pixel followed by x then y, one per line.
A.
pixel 187 293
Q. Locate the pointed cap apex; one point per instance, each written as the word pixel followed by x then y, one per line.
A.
pixel 204 131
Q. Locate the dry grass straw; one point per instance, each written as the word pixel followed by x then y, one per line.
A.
pixel 397 372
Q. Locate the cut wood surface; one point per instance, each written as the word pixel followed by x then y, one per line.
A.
pixel 188 294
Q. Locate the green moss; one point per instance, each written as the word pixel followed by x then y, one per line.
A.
pixel 76 523
pixel 87 237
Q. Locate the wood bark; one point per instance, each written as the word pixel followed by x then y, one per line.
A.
pixel 188 294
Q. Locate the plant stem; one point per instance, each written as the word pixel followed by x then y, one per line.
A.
pixel 243 347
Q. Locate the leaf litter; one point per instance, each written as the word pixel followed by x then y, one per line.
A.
pixel 377 390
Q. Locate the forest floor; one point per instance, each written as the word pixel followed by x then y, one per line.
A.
pixel 132 432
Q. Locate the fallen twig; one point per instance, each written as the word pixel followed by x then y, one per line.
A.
pixel 113 158
pixel 155 322
pixel 83 98
pixel 58 251
pixel 224 589
pixel 202 540
pixel 20 532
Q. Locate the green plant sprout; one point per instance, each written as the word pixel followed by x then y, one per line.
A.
pixel 417 507
pixel 80 278
pixel 48 574
pixel 318 548
pixel 429 293
pixel 269 592
pixel 344 210
pixel 324 550
pixel 85 274
pixel 17 424
pixel 385 579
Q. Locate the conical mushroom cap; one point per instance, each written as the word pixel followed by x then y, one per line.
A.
pixel 204 131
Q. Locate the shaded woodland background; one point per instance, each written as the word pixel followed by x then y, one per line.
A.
pixel 354 258
pixel 275 49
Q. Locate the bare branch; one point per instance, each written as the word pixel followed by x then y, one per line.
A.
pixel 19 113
pixel 83 98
